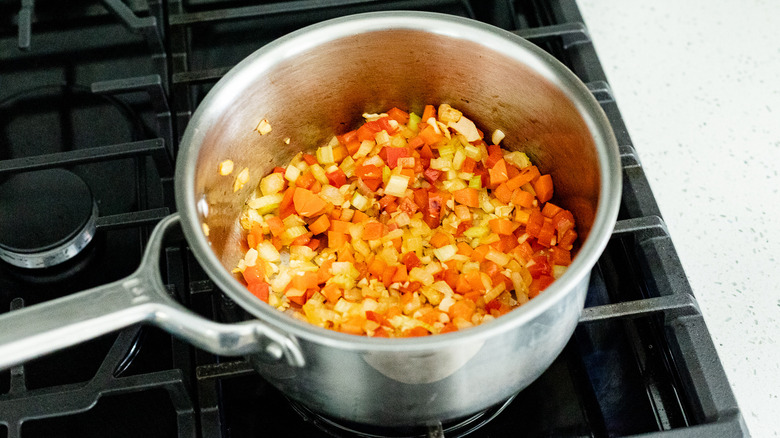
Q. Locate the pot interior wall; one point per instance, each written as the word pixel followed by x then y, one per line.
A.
pixel 324 90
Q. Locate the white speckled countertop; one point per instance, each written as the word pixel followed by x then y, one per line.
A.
pixel 698 85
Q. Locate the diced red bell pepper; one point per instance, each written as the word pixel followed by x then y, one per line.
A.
pixel 337 178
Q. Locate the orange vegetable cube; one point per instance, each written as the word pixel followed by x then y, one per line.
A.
pixel 320 225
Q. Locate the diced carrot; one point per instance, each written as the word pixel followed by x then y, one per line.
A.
pixel 253 274
pixel 320 225
pixel 308 204
pixel 502 226
pixel 503 193
pixel 465 249
pixel 468 165
pixel 400 274
pixel 331 292
pixel 400 116
pixel 429 135
pixel 439 239
pixel 276 241
pixel 373 231
pixel 301 240
pixel 276 225
pixel 494 155
pixel 336 240
pixel 560 256
pixel 428 112
pixel 462 286
pixel 323 274
pixel 415 332
pixel 286 207
pixel 305 181
pixel 468 197
pixel 359 217
pixel 534 225
pixel 527 174
pixel 297 296
pixel 387 275
pixel 543 186
pixel 309 159
pixel 411 260
pixel 463 308
pixel 550 210
pixel 498 173
pixel 377 267
pixel 304 280
pixel 260 290
pixel 448 328
pixel 345 254
pixel 479 253
pixel 522 252
pixel 365 133
pixel 563 221
pixel 339 226
pixel 314 244
pixel 547 233
pixel 463 213
pixel 522 198
pixel 353 325
pixel 567 240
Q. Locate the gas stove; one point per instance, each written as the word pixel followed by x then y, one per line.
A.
pixel 94 96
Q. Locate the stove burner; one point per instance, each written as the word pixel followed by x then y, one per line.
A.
pixel 48 217
pixel 451 429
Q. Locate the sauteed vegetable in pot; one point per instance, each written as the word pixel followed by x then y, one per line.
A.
pixel 407 226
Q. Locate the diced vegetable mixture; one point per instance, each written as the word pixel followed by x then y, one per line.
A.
pixel 407 226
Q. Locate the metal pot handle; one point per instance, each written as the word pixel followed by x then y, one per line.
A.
pixel 141 297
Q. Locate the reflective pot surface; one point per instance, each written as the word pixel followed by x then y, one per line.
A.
pixel 319 81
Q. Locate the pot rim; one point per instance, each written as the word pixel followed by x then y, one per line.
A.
pixel 492 38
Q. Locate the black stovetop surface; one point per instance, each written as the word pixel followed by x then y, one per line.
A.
pixel 105 89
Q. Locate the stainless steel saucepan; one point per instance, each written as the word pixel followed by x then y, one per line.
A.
pixel 308 85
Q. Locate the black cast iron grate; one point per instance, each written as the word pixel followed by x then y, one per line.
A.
pixel 641 360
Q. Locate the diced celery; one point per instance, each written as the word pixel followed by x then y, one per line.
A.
pixel 414 120
pixel 293 232
pixel 359 201
pixel 447 150
pixel 382 138
pixel 319 173
pixel 475 182
pixel 419 274
pixel 440 164
pixel 268 252
pixel 348 166
pixel 397 185
pixel 325 155
pixel 498 258
pixel 292 173
pixel 493 293
pixel 518 159
pixel 458 159
pixel 558 270
pixel 366 146
pixel 473 152
pixel 293 220
pixel 445 252
pixel 476 232
pixel 386 173
pixel 266 204
pixel 273 183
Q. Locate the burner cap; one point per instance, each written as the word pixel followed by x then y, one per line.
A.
pixel 48 216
